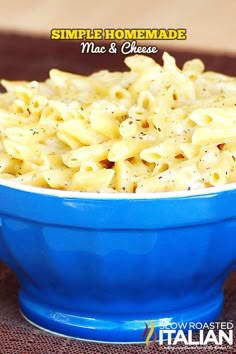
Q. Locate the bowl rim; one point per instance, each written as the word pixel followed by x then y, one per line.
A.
pixel 204 192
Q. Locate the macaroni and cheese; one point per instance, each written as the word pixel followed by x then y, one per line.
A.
pixel 151 129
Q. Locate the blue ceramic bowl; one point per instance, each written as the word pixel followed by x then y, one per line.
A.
pixel 100 266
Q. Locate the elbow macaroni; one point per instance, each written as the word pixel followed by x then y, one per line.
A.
pixel 151 129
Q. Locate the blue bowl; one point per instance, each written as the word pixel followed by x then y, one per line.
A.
pixel 100 266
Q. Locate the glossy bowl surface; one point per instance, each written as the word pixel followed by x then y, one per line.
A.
pixel 101 266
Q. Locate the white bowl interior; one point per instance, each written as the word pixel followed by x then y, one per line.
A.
pixel 94 195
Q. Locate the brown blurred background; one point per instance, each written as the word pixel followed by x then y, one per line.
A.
pixel 27 53
pixel 210 24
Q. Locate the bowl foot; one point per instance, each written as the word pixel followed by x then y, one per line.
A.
pixel 115 329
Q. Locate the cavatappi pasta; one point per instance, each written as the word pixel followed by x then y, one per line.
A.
pixel 151 129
